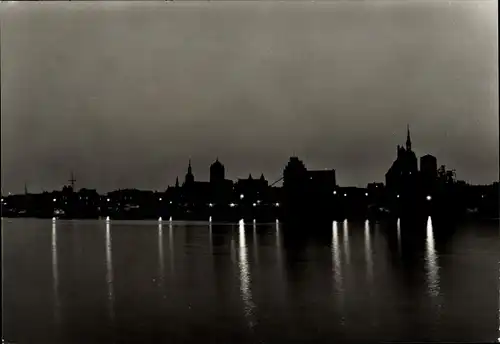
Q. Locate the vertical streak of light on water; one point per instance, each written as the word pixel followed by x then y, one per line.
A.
pixel 233 249
pixel 337 266
pixel 210 234
pixel 171 246
pixel 369 273
pixel 245 277
pixel 278 245
pixel 55 275
pixel 255 244
pixel 398 228
pixel 345 234
pixel 161 258
pixel 109 272
pixel 368 253
pixel 431 259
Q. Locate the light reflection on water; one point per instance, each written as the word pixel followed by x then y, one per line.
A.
pixel 368 253
pixel 255 243
pixel 274 294
pixel 245 278
pixel 161 258
pixel 279 250
pixel 398 228
pixel 345 234
pixel 432 264
pixel 55 274
pixel 337 264
pixel 171 246
pixel 109 272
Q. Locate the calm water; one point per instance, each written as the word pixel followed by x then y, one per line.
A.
pixel 92 281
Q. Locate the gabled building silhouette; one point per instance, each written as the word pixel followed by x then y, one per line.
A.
pixel 251 190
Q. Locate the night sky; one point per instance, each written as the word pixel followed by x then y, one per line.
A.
pixel 125 93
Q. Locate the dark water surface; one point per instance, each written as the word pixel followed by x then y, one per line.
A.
pixel 92 281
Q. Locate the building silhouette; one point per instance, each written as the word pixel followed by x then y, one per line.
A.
pixel 428 173
pixel 217 172
pixel 221 189
pixel 402 176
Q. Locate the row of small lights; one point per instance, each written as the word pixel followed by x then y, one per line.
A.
pixel 366 194
pixel 170 219
pixel 276 204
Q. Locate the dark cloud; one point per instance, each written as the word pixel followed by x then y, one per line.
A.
pixel 125 93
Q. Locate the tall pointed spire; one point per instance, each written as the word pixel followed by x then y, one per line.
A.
pixel 177 182
pixel 189 175
pixel 408 140
pixel 25 189
pixel 72 180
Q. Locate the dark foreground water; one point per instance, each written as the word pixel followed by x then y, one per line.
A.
pixel 92 281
